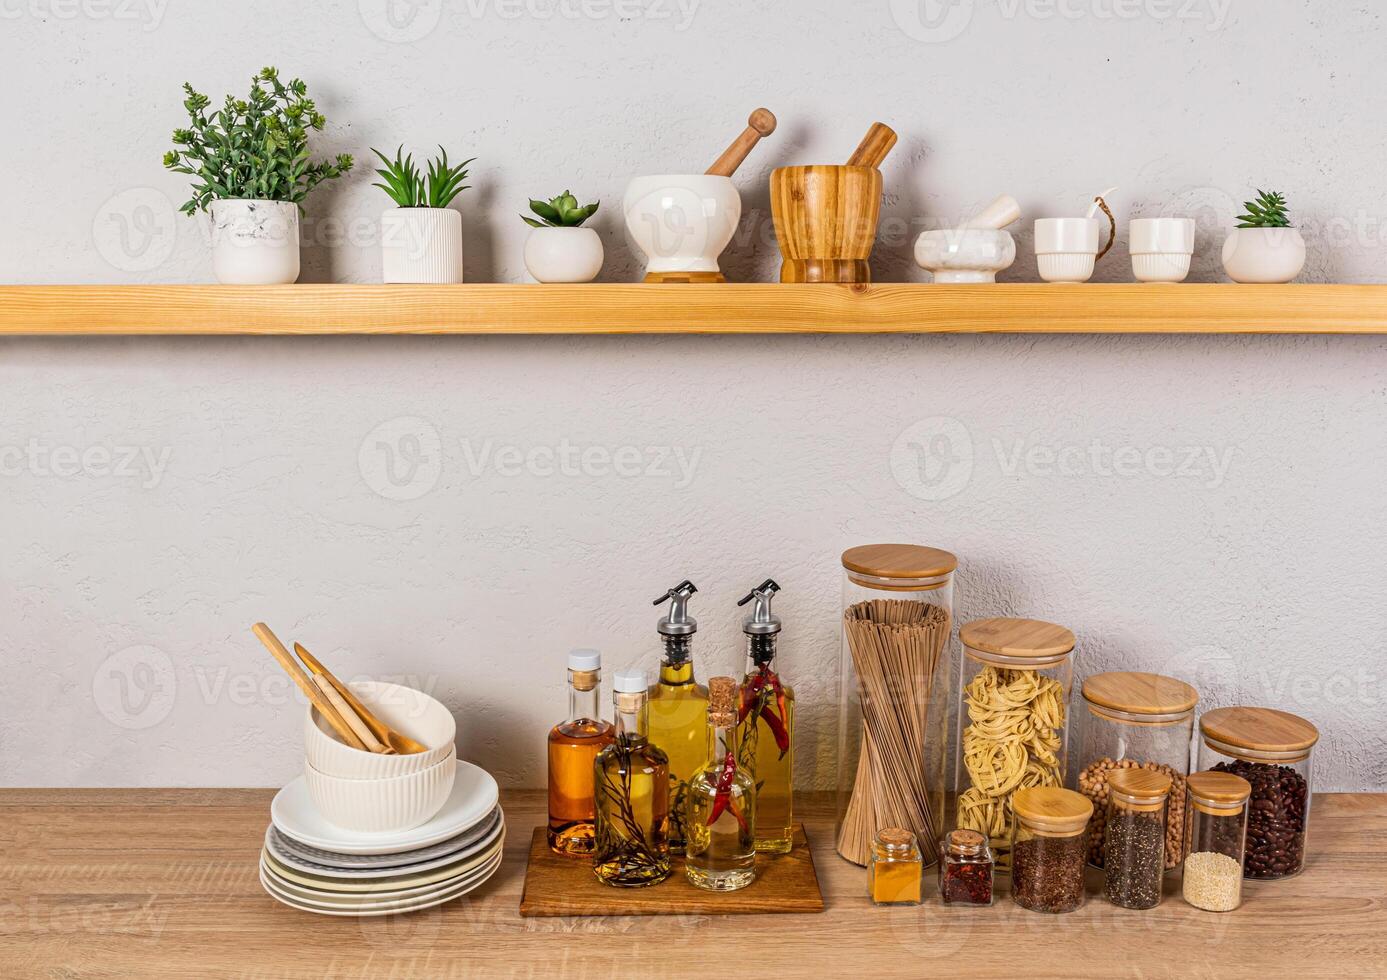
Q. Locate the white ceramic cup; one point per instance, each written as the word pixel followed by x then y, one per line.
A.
pixel 1067 248
pixel 1161 248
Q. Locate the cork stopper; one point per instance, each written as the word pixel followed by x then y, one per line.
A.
pixel 895 837
pixel 965 843
pixel 722 701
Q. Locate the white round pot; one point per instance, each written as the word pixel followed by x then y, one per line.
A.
pixel 1066 248
pixel 682 222
pixel 1263 254
pixel 254 243
pixel 421 245
pixel 965 254
pixel 563 254
pixel 1161 248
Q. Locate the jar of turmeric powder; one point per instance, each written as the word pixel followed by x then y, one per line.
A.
pixel 894 869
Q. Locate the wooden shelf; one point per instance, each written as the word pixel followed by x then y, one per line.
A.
pixel 723 308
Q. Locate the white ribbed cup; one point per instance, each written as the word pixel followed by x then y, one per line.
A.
pixel 421 245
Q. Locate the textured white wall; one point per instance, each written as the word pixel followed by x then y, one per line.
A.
pixel 1212 507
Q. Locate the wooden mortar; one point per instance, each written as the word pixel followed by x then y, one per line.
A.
pixel 825 221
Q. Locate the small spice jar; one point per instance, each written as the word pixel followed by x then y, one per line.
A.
pixel 1133 720
pixel 965 869
pixel 1271 750
pixel 894 871
pixel 1214 833
pixel 1049 831
pixel 1134 848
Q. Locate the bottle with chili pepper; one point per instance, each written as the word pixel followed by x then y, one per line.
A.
pixel 678 705
pixel 766 717
pixel 721 817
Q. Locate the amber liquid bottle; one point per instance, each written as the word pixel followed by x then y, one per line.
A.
pixel 631 778
pixel 767 726
pixel 679 707
pixel 573 748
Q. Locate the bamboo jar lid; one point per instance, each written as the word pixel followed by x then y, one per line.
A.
pixel 899 561
pixel 1031 640
pixel 1139 789
pixel 1137 693
pixel 1259 729
pixel 1052 811
pixel 1222 789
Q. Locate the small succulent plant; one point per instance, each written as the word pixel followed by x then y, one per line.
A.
pixel 1268 211
pixel 408 187
pixel 563 211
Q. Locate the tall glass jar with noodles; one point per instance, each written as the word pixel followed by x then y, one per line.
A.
pixel 1013 694
pixel 894 696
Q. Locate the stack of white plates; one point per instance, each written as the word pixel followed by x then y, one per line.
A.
pixel 316 866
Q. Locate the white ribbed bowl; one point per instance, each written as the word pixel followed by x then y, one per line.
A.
pixel 1161 266
pixel 379 806
pixel 1066 266
pixel 404 709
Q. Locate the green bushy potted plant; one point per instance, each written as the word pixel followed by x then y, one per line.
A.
pixel 1264 247
pixel 252 170
pixel 560 249
pixel 421 237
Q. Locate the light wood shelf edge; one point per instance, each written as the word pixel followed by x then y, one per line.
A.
pixel 732 308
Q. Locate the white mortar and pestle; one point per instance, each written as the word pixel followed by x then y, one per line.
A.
pixel 976 250
pixel 682 222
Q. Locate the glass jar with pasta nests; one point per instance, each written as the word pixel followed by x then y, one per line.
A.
pixel 894 696
pixel 1012 711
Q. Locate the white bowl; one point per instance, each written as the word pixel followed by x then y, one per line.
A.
pixel 965 254
pixel 379 806
pixel 404 709
pixel 682 222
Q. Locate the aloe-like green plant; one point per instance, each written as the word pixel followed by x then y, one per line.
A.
pixel 1268 211
pixel 435 187
pixel 256 147
pixel 563 211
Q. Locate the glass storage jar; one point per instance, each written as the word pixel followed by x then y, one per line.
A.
pixel 1270 749
pixel 1048 842
pixel 1013 690
pixel 1215 828
pixel 894 874
pixel 1133 720
pixel 895 669
pixel 965 869
pixel 1134 842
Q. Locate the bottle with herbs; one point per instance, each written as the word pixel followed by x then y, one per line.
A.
pixel 894 874
pixel 965 869
pixel 722 817
pixel 1214 834
pixel 631 789
pixel 1134 847
pixel 1049 828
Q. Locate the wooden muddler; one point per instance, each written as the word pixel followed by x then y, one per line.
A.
pixel 759 123
pixel 874 146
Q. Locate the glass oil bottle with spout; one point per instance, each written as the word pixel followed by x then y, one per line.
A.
pixel 678 705
pixel 767 725
pixel 631 790
pixel 720 854
pixel 573 748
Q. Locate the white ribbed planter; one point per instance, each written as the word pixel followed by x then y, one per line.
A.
pixel 254 243
pixel 421 245
pixel 563 254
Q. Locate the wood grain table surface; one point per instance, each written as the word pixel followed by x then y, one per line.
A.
pixel 162 883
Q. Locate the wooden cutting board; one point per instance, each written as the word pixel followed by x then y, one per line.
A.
pixel 557 885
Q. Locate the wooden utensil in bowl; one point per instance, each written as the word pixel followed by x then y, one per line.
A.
pixel 760 123
pixel 306 685
pixel 874 146
pixel 393 740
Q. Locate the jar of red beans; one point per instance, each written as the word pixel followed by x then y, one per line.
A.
pixel 1270 749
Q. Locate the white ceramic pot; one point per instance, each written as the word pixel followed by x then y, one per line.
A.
pixel 421 245
pixel 381 806
pixel 965 254
pixel 1066 248
pixel 254 243
pixel 1161 248
pixel 1263 254
pixel 682 222
pixel 563 254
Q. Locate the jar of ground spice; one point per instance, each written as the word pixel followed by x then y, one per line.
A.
pixel 965 869
pixel 1270 749
pixel 1049 828
pixel 1133 720
pixel 1214 833
pixel 894 873
pixel 1134 842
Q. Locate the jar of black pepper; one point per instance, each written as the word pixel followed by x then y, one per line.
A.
pixel 1134 844
pixel 1215 829
pixel 965 869
pixel 1270 749
pixel 1049 841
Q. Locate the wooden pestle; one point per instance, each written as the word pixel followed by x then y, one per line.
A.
pixel 874 146
pixel 759 123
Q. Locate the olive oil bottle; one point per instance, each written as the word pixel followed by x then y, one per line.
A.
pixel 631 788
pixel 767 725
pixel 678 706
pixel 573 748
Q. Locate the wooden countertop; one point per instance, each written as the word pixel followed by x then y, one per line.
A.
pixel 162 883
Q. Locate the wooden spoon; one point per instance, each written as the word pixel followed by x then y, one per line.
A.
pixel 320 701
pixel 393 740
pixel 874 146
pixel 353 719
pixel 759 123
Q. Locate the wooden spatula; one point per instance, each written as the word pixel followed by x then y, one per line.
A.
pixel 306 685
pixel 393 740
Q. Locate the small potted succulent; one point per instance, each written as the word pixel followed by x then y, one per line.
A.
pixel 1264 247
pixel 252 168
pixel 560 249
pixel 421 237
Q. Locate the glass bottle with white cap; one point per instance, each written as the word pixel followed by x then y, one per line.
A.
pixel 631 791
pixel 573 748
